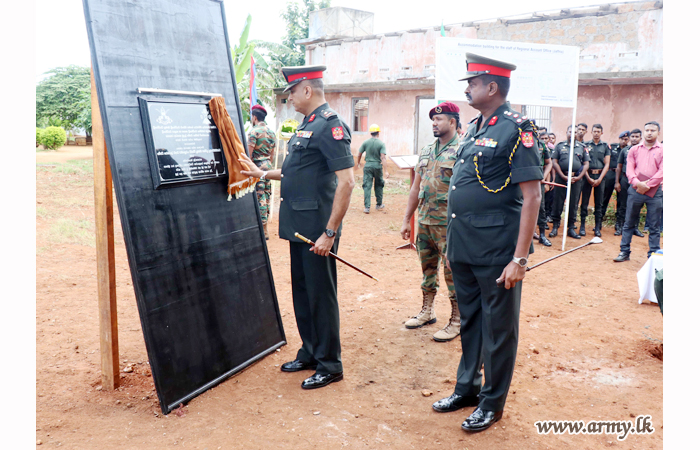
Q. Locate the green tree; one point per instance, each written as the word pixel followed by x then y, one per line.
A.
pixel 64 97
pixel 297 18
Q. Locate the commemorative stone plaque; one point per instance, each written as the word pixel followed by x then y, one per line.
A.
pixel 183 143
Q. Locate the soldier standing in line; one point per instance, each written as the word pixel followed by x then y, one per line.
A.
pixel 429 194
pixel 560 160
pixel 622 184
pixel 316 186
pixel 543 153
pixel 611 175
pixel 375 160
pixel 599 154
pixel 261 146
pixel 494 197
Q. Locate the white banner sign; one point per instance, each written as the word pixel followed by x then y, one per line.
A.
pixel 547 75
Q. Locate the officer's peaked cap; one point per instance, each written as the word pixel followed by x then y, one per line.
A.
pixel 295 75
pixel 481 65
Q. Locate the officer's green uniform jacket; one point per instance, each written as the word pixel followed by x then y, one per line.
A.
pixel 622 159
pixel 543 152
pixel 614 156
pixel 561 153
pixel 320 147
pixel 435 169
pixel 597 153
pixel 483 226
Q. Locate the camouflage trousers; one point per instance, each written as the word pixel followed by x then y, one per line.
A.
pixel 431 243
pixel 263 189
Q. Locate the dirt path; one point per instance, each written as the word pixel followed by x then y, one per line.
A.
pixel 64 154
pixel 584 351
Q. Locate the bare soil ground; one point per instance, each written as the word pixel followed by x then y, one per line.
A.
pixel 585 349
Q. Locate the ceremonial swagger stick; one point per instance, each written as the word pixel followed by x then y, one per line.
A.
pixel 310 242
pixel 552 184
pixel 595 240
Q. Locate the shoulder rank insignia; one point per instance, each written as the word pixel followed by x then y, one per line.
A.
pixel 328 113
pixel 486 143
pixel 304 134
pixel 493 120
pixel 527 139
pixel 338 133
pixel 313 116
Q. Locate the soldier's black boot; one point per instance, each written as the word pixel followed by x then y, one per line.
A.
pixel 572 233
pixel 618 228
pixel 582 230
pixel 543 240
pixel 596 230
pixel 555 230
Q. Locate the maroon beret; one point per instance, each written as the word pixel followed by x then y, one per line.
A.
pixel 444 108
pixel 258 107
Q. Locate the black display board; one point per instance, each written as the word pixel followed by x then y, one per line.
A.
pixel 183 142
pixel 199 263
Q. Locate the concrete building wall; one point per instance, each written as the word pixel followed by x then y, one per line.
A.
pixel 617 107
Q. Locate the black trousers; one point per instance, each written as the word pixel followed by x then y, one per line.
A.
pixel 542 217
pixel 597 198
pixel 609 188
pixel 314 292
pixel 489 333
pixel 560 198
pixel 622 201
pixel 548 201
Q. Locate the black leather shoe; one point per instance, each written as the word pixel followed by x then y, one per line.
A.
pixel 535 235
pixel 481 420
pixel 622 257
pixel 555 231
pixel 455 402
pixel 582 230
pixel 596 232
pixel 296 366
pixel 636 232
pixel 618 231
pixel 572 233
pixel 544 241
pixel 318 380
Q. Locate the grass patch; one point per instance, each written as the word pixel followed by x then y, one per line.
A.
pixel 67 231
pixel 42 212
pixel 72 167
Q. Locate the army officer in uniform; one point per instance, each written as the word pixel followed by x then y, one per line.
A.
pixel 317 182
pixel 560 160
pixel 494 198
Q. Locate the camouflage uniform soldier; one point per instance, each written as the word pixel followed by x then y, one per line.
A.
pixel 429 195
pixel 261 144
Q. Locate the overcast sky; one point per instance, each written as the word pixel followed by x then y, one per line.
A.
pixel 61 37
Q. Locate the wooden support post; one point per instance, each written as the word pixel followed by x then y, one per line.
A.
pixel 104 235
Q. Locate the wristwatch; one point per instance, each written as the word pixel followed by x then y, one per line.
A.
pixel 330 233
pixel 522 262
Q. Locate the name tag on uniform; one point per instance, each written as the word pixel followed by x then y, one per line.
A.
pixel 486 143
pixel 304 134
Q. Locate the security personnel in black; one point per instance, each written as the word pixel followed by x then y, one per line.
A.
pixel 317 181
pixel 494 197
pixel 622 183
pixel 560 160
pixel 599 153
pixel 612 172
pixel 545 157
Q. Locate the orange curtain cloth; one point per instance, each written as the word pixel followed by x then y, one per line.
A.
pixel 238 184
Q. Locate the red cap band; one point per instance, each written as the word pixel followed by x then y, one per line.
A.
pixel 305 75
pixel 493 70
